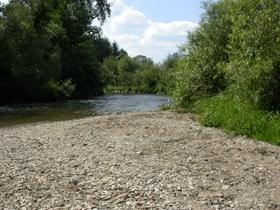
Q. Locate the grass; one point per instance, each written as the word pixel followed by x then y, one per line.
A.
pixel 239 118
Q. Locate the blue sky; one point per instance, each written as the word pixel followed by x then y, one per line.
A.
pixel 168 10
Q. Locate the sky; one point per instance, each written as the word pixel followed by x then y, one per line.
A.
pixel 154 28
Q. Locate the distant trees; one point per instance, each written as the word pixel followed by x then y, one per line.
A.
pixel 138 74
pixel 167 74
pixel 235 49
pixel 50 50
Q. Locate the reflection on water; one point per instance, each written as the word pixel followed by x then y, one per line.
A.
pixel 113 104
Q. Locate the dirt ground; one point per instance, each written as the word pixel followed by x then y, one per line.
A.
pixel 159 160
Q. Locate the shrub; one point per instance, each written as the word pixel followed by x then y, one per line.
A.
pixel 60 90
pixel 254 64
pixel 238 117
pixel 199 72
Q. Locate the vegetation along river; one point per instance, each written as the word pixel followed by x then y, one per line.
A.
pixel 112 104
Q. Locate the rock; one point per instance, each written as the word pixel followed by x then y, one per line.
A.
pixel 74 182
pixel 225 187
pixel 140 153
pixel 115 171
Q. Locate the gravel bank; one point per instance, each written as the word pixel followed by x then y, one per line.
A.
pixel 156 160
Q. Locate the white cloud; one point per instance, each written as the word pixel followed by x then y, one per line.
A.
pixel 4 1
pixel 129 21
pixel 172 29
pixel 137 34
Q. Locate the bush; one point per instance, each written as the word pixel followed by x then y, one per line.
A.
pixel 200 73
pixel 60 90
pixel 237 47
pixel 254 64
pixel 238 117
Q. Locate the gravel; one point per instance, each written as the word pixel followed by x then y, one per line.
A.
pixel 157 160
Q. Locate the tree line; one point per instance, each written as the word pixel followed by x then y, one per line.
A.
pixel 122 73
pixel 51 51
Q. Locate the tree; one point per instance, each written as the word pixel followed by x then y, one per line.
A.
pixel 143 60
pixel 109 71
pixel 234 51
pixel 35 60
pixel 48 47
pixel 79 61
pixel 126 70
pixel 200 72
pixel 167 79
pixel 254 66
pixel 115 49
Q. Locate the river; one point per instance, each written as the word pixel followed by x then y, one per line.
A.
pixel 113 104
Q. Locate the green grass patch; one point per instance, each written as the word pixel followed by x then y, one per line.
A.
pixel 239 118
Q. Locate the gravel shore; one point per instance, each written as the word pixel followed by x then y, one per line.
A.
pixel 157 160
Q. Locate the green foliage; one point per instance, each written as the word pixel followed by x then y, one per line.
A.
pixel 254 65
pixel 33 58
pixel 230 69
pixel 131 75
pixel 237 47
pixel 115 50
pixel 138 74
pixel 167 77
pixel 51 51
pixel 61 90
pixel 109 71
pixel 147 80
pixel 238 117
pixel 271 133
pixel 46 42
pixel 199 72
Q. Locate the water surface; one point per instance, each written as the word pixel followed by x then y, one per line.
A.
pixel 114 104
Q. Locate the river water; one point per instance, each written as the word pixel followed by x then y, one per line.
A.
pixel 113 104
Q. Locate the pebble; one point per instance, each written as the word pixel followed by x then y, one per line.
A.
pixel 128 166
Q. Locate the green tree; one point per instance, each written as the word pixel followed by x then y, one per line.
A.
pixel 254 65
pixel 79 61
pixel 167 74
pixel 34 59
pixel 49 47
pixel 235 48
pixel 109 71
pixel 126 70
pixel 148 79
pixel 200 73
pixel 115 49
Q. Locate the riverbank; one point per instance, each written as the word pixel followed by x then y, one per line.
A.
pixel 135 161
pixel 239 118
